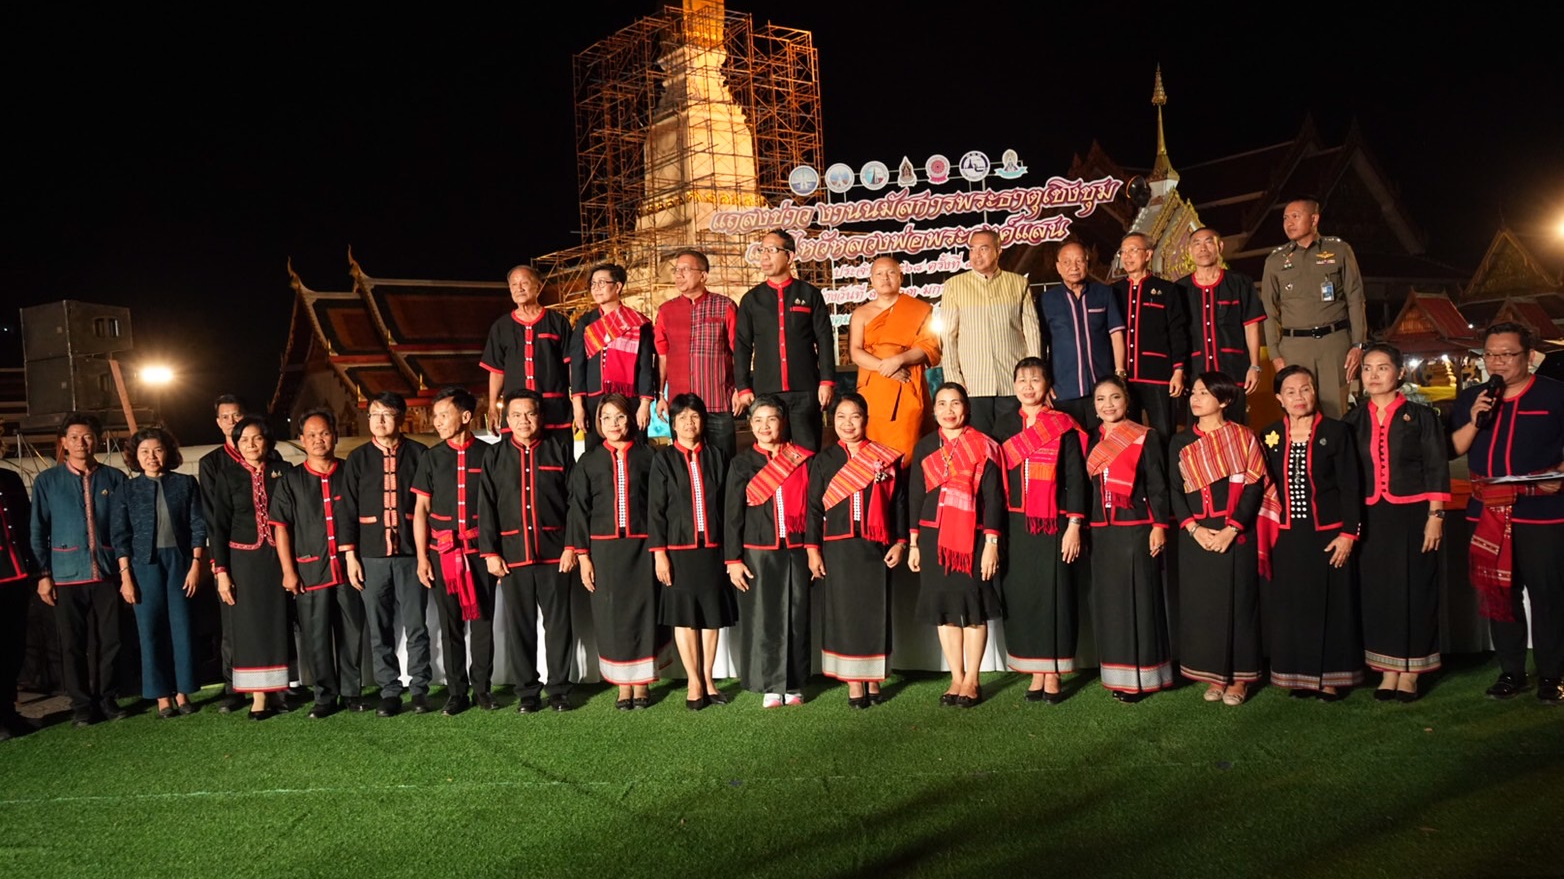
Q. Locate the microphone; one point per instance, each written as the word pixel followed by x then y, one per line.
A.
pixel 1495 387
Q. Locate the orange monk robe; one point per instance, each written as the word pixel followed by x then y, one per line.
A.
pixel 896 409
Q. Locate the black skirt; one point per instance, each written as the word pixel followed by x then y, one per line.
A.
pixel 1311 610
pixel 953 598
pixel 1039 594
pixel 1219 611
pixel 1129 615
pixel 1400 590
pixel 260 621
pixel 631 646
pixel 855 610
pixel 701 596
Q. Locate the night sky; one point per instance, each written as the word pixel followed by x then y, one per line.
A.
pixel 174 164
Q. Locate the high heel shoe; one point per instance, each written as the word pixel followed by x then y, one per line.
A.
pixel 695 704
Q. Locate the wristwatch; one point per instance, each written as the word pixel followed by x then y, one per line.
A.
pixel 1436 514
pixel 993 540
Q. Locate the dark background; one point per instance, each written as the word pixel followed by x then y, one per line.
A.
pixel 174 163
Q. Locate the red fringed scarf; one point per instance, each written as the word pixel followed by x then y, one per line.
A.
pixel 874 464
pixel 1231 452
pixel 1117 453
pixel 1490 558
pixel 956 469
pixel 455 568
pixel 1037 450
pixel 783 471
pixel 619 332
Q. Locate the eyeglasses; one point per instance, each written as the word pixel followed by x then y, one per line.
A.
pixel 1124 250
pixel 598 283
pixel 1502 356
pixel 688 270
pixel 771 248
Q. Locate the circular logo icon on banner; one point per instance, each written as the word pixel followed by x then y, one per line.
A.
pixel 839 178
pixel 938 168
pixel 974 165
pixel 874 175
pixel 803 181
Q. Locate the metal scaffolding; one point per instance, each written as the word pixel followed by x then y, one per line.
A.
pixel 680 114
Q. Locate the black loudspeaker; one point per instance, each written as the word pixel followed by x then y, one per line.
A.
pixel 74 329
pixel 67 384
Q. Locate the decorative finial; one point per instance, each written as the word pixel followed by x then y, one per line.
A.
pixel 1163 168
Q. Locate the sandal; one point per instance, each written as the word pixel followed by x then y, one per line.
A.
pixel 1214 693
pixel 1235 698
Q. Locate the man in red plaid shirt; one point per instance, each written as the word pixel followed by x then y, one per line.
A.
pixel 694 338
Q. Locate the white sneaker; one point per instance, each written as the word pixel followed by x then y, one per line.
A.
pixel 795 699
pixel 772 700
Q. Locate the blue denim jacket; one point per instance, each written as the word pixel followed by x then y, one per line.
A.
pixel 65 548
pixel 133 516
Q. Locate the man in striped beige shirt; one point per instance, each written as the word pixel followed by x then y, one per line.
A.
pixel 990 323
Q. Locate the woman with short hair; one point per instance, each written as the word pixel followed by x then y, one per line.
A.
pixel 159 534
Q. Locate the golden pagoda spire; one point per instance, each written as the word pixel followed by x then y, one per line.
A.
pixel 703 21
pixel 1163 169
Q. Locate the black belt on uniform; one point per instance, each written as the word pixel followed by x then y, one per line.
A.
pixel 1319 332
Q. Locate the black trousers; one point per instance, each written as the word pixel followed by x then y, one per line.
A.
pixel 225 624
pixel 803 417
pixel 332 623
pixel 82 611
pixel 1153 399
pixel 13 639
pixel 530 590
pixel 454 631
pixel 984 411
pixel 720 431
pixel 1539 570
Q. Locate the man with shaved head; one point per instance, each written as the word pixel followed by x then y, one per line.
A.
pixel 892 341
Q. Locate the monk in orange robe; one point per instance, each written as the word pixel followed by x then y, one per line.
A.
pixel 891 340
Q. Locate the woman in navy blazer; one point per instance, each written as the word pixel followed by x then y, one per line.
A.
pixel 158 534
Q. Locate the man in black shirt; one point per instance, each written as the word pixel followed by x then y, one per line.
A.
pixel 445 521
pixel 377 531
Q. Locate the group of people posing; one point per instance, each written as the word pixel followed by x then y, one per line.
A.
pixel 1051 471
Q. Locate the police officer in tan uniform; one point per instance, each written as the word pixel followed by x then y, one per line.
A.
pixel 1313 297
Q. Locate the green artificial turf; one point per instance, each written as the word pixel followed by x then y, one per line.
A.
pixel 1454 785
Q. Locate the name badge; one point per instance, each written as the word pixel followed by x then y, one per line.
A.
pixel 1327 291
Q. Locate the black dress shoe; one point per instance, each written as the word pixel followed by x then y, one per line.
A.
pixel 877 698
pixel 455 705
pixel 420 704
pixel 390 706
pixel 1050 698
pixel 624 704
pixel 279 703
pixel 967 701
pixel 1507 686
pixel 1385 695
pixel 695 704
pixel 529 705
pixel 1035 695
pixel 323 710
pixel 642 702
pixel 1407 698
pixel 485 700
pixel 560 702
pixel 715 697
pixel 185 708
pixel 112 711
pixel 1323 696
pixel 948 700
pixel 1303 694
pixel 358 703
pixel 858 702
pixel 260 715
pixel 168 713
pixel 1128 698
pixel 1549 691
pixel 229 703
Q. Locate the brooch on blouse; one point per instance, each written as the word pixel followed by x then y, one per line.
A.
pixel 1271 439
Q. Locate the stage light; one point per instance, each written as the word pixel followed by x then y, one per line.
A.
pixel 157 375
